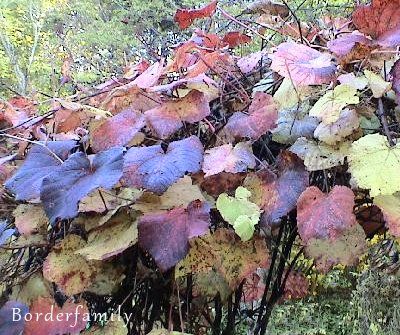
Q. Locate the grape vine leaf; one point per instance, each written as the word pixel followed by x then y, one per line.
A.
pixel 328 107
pixel 170 115
pixel 302 64
pixel 63 189
pixel 156 170
pixel 229 159
pixel 262 117
pixel 325 216
pixel 41 161
pixel 238 211
pixel 375 165
pixel 165 235
pixel 116 131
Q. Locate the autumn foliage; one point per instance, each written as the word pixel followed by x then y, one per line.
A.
pixel 185 184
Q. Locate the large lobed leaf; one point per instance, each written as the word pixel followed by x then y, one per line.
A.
pixel 155 170
pixel 63 189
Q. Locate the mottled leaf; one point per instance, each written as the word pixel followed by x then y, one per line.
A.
pixel 165 235
pixel 223 252
pixel 71 272
pixel 156 170
pixel 30 219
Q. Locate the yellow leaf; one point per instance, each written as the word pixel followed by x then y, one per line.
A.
pixel 375 165
pixel 328 107
pixel 377 84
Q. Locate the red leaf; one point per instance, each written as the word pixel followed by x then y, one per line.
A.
pixel 40 162
pixel 156 170
pixel 185 17
pixel 16 111
pixel 277 194
pixel 235 38
pixel 150 77
pixel 58 323
pixel 165 235
pixel 302 64
pixel 116 131
pixel 62 190
pixel 325 216
pixel 262 117
pixel 380 20
pixel 169 117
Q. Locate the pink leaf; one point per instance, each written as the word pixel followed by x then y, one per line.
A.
pixel 166 235
pixel 302 64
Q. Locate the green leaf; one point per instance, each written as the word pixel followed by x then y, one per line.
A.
pixel 238 211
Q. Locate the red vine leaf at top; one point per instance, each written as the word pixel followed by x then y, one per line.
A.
pixel 40 162
pixel 156 170
pixel 63 189
pixel 185 17
pixel 302 64
pixel 9 325
pixel 165 235
pixel 236 38
pixel 56 325
pixel 277 194
pixel 169 117
pixel 380 20
pixel 229 159
pixel 262 117
pixel 325 216
pixel 116 131
pixel 395 72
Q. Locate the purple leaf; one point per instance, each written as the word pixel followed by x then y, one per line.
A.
pixel 156 170
pixel 12 318
pixel 5 234
pixel 78 176
pixel 165 235
pixel 40 162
